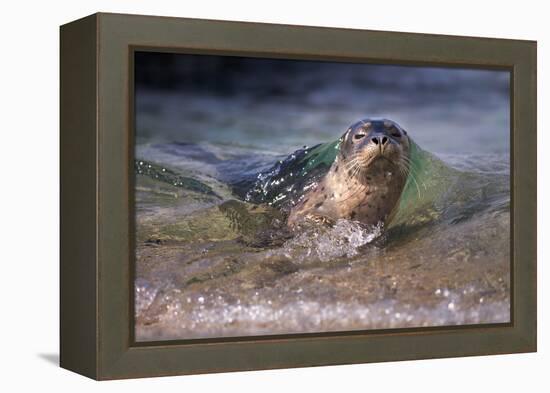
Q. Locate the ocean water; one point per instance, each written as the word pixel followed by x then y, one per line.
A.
pixel 214 260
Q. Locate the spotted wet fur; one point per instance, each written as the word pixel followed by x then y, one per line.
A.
pixel 365 181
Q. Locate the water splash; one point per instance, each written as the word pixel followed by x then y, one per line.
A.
pixel 328 243
pixel 284 183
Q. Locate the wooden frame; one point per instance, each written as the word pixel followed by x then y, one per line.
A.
pixel 96 209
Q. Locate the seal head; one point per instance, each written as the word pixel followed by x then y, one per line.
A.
pixel 365 181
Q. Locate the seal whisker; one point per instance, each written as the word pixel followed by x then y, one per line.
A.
pixel 417 188
pixel 405 168
pixel 356 164
pixel 407 164
pixel 362 163
pixel 352 164
pixel 351 170
pixel 410 163
pixel 352 159
pixel 349 164
pixel 412 173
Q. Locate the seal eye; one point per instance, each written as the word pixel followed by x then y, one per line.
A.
pixel 396 134
pixel 358 136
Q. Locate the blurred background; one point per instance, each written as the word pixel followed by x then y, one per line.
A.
pixel 281 105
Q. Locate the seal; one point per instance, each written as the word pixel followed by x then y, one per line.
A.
pixel 365 181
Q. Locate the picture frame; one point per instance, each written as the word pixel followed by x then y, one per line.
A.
pixel 96 170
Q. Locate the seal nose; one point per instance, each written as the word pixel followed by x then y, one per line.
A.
pixel 379 140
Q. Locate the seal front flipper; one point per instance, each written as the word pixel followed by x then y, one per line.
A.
pixel 322 220
pixel 312 219
pixel 258 225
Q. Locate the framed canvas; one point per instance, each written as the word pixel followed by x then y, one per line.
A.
pixel 242 196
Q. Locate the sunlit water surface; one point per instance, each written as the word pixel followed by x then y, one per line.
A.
pixel 214 257
pixel 211 264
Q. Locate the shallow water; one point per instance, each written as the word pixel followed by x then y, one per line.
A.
pixel 211 265
pixel 214 257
